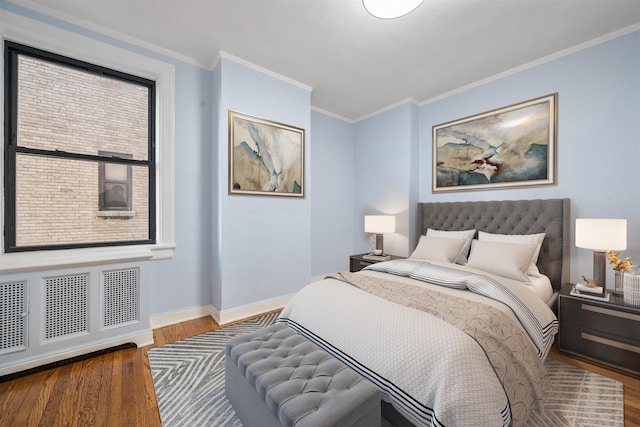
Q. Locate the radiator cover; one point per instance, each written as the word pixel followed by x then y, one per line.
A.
pixel 66 307
pixel 13 316
pixel 52 315
pixel 121 302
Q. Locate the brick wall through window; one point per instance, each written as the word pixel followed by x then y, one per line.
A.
pixel 73 110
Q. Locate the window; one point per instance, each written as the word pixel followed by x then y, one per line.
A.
pixel 114 185
pixel 79 153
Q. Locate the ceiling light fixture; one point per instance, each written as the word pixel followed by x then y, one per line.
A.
pixel 389 9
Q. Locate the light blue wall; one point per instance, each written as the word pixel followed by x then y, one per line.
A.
pixel 184 281
pixel 238 250
pixel 385 175
pixel 332 194
pixel 265 241
pixel 214 177
pixel 598 146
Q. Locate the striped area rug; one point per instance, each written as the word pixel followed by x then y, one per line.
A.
pixel 188 377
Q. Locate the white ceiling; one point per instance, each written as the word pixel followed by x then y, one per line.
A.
pixel 355 63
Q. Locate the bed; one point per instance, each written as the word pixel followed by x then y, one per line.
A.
pixel 456 334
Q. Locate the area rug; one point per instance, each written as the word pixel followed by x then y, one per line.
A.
pixel 188 377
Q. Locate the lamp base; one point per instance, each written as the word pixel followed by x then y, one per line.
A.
pixel 599 272
pixel 379 244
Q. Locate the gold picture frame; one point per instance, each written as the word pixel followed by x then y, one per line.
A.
pixel 266 158
pixel 513 146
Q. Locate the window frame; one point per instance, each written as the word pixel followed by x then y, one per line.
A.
pixel 91 48
pixel 12 51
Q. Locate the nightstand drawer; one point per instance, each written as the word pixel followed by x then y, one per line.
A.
pixel 618 351
pixel 601 318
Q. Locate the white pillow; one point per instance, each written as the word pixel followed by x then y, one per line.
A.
pixel 521 239
pixel 437 249
pixel 502 259
pixel 467 235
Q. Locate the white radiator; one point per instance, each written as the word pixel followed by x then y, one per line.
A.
pixel 52 315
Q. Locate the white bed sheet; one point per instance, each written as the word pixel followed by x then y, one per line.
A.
pixel 541 286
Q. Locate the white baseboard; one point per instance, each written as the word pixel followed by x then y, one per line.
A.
pixel 239 313
pixel 141 340
pixel 220 317
pixel 181 316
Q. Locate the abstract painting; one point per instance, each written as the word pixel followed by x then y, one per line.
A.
pixel 265 158
pixel 503 148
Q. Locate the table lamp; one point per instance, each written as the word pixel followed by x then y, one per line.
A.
pixel 379 224
pixel 601 235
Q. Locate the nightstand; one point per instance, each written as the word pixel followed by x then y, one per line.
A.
pixel 607 332
pixel 357 263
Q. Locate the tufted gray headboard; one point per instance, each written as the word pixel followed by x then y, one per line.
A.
pixel 551 216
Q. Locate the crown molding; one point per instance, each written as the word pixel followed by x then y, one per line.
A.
pixel 224 55
pixel 409 100
pixel 330 114
pixel 48 13
pixel 549 58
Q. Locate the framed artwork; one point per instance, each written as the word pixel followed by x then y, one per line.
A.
pixel 509 147
pixel 265 158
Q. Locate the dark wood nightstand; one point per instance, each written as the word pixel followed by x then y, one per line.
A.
pixel 607 332
pixel 357 263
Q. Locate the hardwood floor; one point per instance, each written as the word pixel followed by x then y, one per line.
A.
pixel 116 389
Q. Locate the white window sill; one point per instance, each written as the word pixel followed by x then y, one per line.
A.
pixel 116 214
pixel 44 260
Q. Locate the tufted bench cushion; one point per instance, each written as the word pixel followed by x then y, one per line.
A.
pixel 275 377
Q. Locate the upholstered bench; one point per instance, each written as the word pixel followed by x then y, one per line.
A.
pixel 275 377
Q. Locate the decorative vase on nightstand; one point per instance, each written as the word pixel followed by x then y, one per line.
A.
pixel 632 289
pixel 618 290
pixel 621 267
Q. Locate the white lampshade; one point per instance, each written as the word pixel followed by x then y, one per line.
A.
pixel 379 224
pixel 601 234
pixel 389 9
